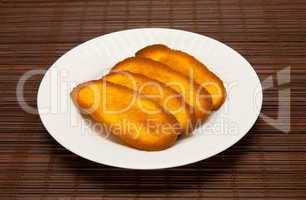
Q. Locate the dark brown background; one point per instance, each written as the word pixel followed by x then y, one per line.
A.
pixel 266 164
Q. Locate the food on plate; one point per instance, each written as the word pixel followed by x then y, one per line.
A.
pixel 170 100
pixel 193 93
pixel 137 121
pixel 147 101
pixel 189 66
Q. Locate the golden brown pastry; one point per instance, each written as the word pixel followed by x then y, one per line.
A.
pixel 167 98
pixel 189 66
pixel 135 120
pixel 193 94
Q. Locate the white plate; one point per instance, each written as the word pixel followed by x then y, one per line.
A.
pixel 92 59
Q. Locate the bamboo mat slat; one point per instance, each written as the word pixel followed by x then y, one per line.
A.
pixel 266 164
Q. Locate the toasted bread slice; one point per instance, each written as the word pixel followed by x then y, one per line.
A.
pixel 136 121
pixel 189 66
pixel 193 94
pixel 166 97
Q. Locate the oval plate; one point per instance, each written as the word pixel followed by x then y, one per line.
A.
pixel 94 58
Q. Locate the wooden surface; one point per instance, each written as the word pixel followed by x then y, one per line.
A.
pixel 266 164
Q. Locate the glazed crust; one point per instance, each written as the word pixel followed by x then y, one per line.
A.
pixel 189 66
pixel 134 120
pixel 193 94
pixel 170 100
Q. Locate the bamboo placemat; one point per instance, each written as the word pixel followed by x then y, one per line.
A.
pixel 266 164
